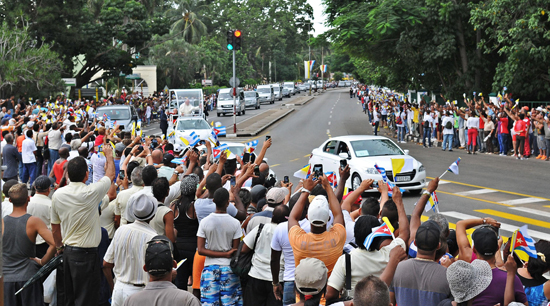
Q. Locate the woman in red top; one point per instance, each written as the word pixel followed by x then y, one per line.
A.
pixel 520 128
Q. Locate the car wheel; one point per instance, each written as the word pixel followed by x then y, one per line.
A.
pixel 218 114
pixel 244 111
pixel 415 191
pixel 355 181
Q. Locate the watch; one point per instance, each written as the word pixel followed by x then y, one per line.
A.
pixel 306 190
pixel 275 284
pixel 426 192
pixel 176 172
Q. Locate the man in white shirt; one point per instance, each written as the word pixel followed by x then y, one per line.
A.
pixel 40 206
pixel 55 139
pixel 123 196
pixel 186 108
pixel 75 213
pixel 376 120
pixel 427 124
pixel 448 132
pixel 28 155
pixel 98 164
pixel 126 253
pixel 148 114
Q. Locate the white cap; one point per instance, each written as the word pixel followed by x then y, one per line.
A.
pixel 318 212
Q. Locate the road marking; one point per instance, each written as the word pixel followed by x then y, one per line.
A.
pixel 532 211
pixel 330 117
pixel 328 131
pixel 331 112
pixel 547 206
pixel 475 199
pixel 477 191
pixel 275 165
pixel 307 155
pixel 504 191
pixel 523 201
pixel 329 123
pixel 295 159
pixel 515 218
pixel 504 226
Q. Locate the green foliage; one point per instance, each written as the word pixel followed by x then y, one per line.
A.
pixel 26 67
pixel 338 76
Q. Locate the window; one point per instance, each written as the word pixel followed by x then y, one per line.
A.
pixel 192 125
pixel 330 147
pixel 375 147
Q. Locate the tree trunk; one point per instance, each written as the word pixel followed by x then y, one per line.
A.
pixel 462 51
pixel 477 85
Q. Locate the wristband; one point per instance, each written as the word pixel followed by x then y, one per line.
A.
pixel 426 192
pixel 275 284
pixel 305 190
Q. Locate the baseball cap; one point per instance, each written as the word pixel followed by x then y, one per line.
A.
pixel 177 148
pixel 276 195
pixel 427 236
pixel 145 207
pixel 485 241
pixel 318 211
pixel 310 276
pixel 257 193
pixel 467 280
pixel 167 160
pixel 539 109
pixel 158 256
pixel 119 147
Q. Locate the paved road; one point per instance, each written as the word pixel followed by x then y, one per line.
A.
pixel 513 192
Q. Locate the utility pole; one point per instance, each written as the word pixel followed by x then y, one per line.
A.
pixel 322 70
pixel 309 57
pixel 234 96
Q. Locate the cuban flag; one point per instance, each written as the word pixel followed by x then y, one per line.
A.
pixel 382 172
pixel 453 168
pixel 523 245
pixel 217 151
pixel 384 230
pixel 249 147
pixel 433 203
pixel 213 138
pixel 333 181
pixel 220 131
pixel 179 161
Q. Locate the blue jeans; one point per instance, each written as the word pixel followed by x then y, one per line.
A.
pixel 400 133
pixel 20 167
pixel 29 172
pixel 448 141
pixel 503 143
pixel 376 123
pixel 54 155
pixel 427 134
pixel 289 293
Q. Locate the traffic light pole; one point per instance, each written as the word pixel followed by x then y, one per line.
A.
pixel 234 96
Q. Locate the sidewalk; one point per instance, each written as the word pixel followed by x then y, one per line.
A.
pixel 255 125
pixel 301 101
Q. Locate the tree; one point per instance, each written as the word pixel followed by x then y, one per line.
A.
pixel 338 76
pixel 26 65
pixel 519 31
pixel 187 19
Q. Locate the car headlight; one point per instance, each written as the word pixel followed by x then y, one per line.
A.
pixel 421 168
pixel 372 171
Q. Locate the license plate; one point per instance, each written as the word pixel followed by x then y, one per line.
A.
pixel 402 178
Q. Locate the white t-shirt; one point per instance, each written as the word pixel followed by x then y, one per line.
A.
pixel 261 261
pixel 219 230
pixel 383 110
pixel 280 243
pixel 98 165
pixel 473 122
pixel 446 119
pixel 429 118
pixel 27 149
pixel 375 116
pixel 403 119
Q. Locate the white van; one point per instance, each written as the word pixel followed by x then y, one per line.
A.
pixel 277 91
pixel 290 86
pixel 267 94
pixel 225 102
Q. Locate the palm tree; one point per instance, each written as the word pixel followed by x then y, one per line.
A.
pixel 186 19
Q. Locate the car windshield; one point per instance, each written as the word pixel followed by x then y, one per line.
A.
pixel 237 150
pixel 375 147
pixel 198 124
pixel 114 114
pixel 250 94
pixel 225 96
pixel 178 97
pixel 289 86
pixel 267 90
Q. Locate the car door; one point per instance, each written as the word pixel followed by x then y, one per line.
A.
pixel 326 156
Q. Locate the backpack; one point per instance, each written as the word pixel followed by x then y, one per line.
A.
pixel 426 124
pixel 398 119
pixel 449 125
pixel 241 263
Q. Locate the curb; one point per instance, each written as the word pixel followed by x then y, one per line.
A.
pixel 300 104
pixel 256 132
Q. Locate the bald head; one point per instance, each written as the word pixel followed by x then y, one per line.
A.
pixel 264 169
pixel 83 151
pixel 64 152
pixel 157 156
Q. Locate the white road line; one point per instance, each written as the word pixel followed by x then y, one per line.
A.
pixel 522 201
pixel 330 117
pixel 532 211
pixel 329 123
pixel 328 131
pixel 503 226
pixel 477 191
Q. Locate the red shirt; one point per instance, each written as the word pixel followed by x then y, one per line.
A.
pixel 99 140
pixel 504 126
pixel 520 125
pixel 58 171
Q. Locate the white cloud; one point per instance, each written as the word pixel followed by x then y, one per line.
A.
pixel 319 17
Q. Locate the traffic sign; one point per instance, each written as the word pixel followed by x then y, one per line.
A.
pixel 233 83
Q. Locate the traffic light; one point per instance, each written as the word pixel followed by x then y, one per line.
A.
pixel 237 34
pixel 230 42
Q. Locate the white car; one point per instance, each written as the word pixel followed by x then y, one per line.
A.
pixel 361 153
pixel 184 126
pixel 237 148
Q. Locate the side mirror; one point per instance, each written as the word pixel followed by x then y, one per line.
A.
pixel 406 152
pixel 344 155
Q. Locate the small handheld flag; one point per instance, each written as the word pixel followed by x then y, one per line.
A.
pixel 332 180
pixel 303 173
pixel 249 147
pixel 523 245
pixel 382 172
pixel 400 165
pixel 220 131
pixel 453 168
pixel 384 230
pixel 433 203
pixel 217 151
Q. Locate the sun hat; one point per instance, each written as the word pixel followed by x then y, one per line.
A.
pixel 145 207
pixel 276 195
pixel 310 276
pixel 318 212
pixel 467 280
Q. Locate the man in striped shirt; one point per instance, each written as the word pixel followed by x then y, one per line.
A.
pixel 127 251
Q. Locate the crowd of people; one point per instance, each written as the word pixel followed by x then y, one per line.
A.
pixel 140 221
pixel 492 127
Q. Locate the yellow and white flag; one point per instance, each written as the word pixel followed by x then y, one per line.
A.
pixel 400 165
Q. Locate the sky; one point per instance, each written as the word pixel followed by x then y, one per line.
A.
pixel 318 16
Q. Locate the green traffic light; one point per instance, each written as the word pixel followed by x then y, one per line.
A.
pixel 229 47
